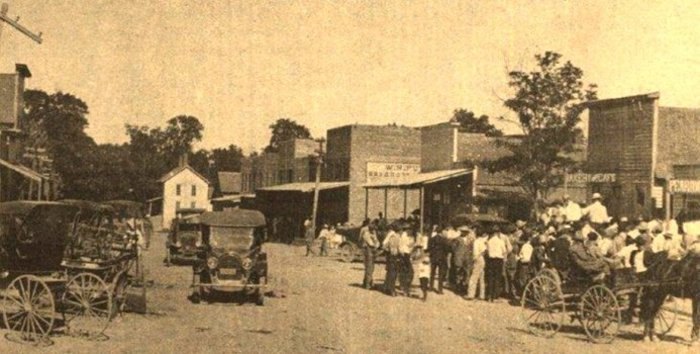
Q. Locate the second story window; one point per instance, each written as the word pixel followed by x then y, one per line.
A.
pixel 178 189
pixel 194 190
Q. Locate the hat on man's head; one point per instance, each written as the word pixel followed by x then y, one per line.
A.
pixel 596 196
pixel 520 223
pixel 464 228
pixel 657 230
pixel 643 226
pixel 624 219
pixel 576 236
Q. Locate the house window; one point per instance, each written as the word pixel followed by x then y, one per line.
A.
pixel 177 206
pixel 194 190
pixel 193 205
pixel 178 189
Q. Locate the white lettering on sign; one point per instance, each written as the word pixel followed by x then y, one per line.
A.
pixel 684 186
pixel 583 178
pixel 385 171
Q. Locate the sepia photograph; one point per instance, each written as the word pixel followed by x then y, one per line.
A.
pixel 349 176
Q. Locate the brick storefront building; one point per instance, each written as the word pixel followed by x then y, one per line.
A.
pixel 648 149
pixel 370 153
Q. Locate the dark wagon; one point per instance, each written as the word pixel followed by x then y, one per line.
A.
pixel 36 291
pixel 231 258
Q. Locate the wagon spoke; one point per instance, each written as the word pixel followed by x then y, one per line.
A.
pixel 20 321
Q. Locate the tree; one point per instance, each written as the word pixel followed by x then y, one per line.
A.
pixel 179 136
pixel 548 103
pixel 228 159
pixel 286 129
pixel 57 122
pixel 470 123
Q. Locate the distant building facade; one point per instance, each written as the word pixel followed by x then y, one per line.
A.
pixel 649 153
pixel 362 153
pixel 183 188
pixel 293 162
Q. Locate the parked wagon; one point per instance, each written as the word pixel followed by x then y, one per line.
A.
pixel 548 301
pixel 36 293
pixel 99 255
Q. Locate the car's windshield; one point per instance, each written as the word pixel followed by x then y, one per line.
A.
pixel 231 238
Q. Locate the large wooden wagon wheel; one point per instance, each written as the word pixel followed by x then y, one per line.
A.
pixel 600 314
pixel 87 306
pixel 347 253
pixel 29 310
pixel 543 306
pixel 120 285
pixel 666 317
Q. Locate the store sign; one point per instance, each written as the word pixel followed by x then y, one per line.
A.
pixel 689 186
pixel 384 171
pixel 585 178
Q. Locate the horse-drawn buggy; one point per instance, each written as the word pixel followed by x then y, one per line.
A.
pixel 37 293
pixel 105 258
pixel 601 304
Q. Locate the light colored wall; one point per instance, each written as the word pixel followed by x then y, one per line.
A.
pixel 186 179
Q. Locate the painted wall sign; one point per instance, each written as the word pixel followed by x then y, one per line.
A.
pixel 584 178
pixel 385 171
pixel 690 186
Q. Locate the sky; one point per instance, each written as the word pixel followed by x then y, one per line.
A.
pixel 238 66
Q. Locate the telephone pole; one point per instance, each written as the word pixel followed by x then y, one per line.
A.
pixel 15 23
pixel 319 163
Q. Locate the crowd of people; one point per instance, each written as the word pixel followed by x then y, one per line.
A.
pixel 491 261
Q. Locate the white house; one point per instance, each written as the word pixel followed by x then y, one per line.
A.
pixel 183 188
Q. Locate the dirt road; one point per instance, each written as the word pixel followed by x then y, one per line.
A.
pixel 325 311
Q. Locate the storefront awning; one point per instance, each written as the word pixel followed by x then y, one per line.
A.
pixel 24 171
pixel 304 187
pixel 420 179
pixel 228 198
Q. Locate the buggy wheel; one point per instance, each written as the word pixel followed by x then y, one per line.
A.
pixel 347 253
pixel 120 286
pixel 600 314
pixel 29 309
pixel 551 273
pixel 666 317
pixel 87 306
pixel 543 307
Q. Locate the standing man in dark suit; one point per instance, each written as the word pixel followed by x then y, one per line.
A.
pixel 438 249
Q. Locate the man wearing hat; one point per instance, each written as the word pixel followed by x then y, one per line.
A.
pixel 325 236
pixel 584 263
pixel 461 258
pixel 597 212
pixel 571 211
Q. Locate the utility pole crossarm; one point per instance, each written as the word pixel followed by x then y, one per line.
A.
pixel 14 23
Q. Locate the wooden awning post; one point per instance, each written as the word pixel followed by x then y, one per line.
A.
pixel 421 201
pixel 405 202
pixel 386 201
pixel 366 203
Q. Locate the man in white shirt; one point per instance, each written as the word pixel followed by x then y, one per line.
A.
pixel 597 212
pixel 496 252
pixel 571 211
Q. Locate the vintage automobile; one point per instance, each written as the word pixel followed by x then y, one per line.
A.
pixel 230 258
pixel 184 238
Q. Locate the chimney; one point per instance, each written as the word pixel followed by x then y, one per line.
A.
pixel 183 160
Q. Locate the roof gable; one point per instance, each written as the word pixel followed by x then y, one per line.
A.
pixel 229 182
pixel 179 170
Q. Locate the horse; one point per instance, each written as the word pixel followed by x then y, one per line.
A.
pixel 679 278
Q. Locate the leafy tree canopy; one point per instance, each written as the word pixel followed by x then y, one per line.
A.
pixel 469 122
pixel 286 129
pixel 548 102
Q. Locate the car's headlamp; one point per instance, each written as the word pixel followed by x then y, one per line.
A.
pixel 198 243
pixel 178 244
pixel 212 262
pixel 247 263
